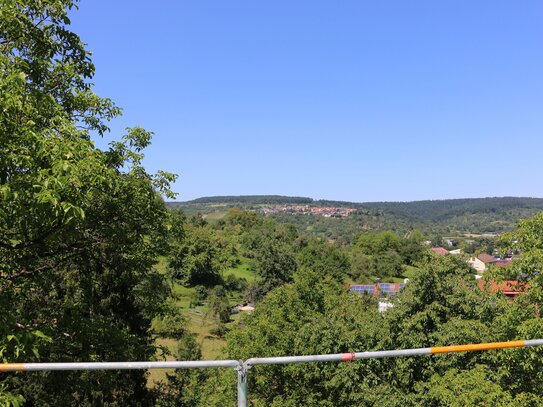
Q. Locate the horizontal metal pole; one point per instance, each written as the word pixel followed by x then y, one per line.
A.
pixel 391 353
pixel 281 360
pixel 118 365
pixel 240 365
pixel 533 342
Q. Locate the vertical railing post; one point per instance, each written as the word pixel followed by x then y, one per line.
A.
pixel 242 384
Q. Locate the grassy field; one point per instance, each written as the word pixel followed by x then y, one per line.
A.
pixel 243 270
pixel 215 215
pixel 197 321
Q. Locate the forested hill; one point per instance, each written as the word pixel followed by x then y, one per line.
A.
pixel 429 210
pixel 450 216
pixel 251 200
pixel 441 210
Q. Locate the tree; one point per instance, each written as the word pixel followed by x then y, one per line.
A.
pixel 197 259
pixel 219 308
pixel 475 387
pixel 80 228
pixel 412 249
pixel 378 243
pixel 528 239
pixel 245 219
pixel 275 264
pixel 326 259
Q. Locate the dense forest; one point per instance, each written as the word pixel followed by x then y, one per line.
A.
pixel 251 200
pixel 95 266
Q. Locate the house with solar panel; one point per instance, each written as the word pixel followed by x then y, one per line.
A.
pixel 377 289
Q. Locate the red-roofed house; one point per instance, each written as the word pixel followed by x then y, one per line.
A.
pixel 510 288
pixel 482 261
pixel 440 251
pixel 487 258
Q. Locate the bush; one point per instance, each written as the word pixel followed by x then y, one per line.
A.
pixel 233 283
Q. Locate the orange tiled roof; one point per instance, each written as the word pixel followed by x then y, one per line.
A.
pixel 507 287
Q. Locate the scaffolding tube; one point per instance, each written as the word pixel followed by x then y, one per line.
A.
pixel 243 367
pixel 34 367
pixel 280 360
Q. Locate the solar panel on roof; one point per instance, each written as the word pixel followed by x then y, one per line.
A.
pixel 383 289
pixel 363 288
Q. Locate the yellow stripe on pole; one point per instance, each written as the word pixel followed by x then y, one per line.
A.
pixel 6 367
pixel 478 346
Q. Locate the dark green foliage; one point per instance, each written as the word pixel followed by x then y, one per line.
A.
pixel 326 259
pixel 218 305
pixel 234 284
pixel 255 292
pixel 528 239
pixel 183 387
pixel 80 228
pixel 309 316
pixel 199 295
pixel 439 210
pixel 275 264
pixel 252 199
pixel 457 388
pixel 411 249
pixel 198 258
pixel 245 219
pixel 344 230
pixel 383 254
pixel 378 243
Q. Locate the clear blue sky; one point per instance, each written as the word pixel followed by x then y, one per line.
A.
pixel 351 100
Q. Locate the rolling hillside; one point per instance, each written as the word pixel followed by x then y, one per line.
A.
pixel 445 217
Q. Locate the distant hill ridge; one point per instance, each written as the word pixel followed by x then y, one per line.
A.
pixel 252 200
pixel 412 207
pixel 474 215
pixel 439 210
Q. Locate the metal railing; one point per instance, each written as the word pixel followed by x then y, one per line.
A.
pixel 243 367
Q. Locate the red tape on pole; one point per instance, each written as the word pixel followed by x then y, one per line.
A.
pixel 347 356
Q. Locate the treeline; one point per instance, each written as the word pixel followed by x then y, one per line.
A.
pixel 441 210
pixel 252 200
pixel 440 217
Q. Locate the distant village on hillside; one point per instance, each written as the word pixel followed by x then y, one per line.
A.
pixel 327 212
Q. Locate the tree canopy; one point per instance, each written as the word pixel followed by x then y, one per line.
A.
pixel 441 305
pixel 80 228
